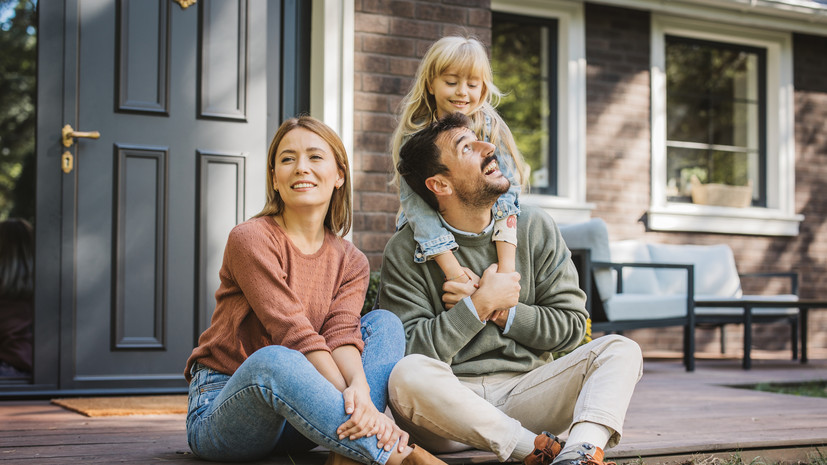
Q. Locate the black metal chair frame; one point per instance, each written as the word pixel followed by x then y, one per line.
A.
pixel 594 304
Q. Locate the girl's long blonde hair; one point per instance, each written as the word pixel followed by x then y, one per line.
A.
pixel 418 108
pixel 338 218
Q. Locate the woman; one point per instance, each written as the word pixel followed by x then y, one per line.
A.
pixel 286 363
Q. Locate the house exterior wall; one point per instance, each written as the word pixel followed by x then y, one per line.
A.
pixel 391 36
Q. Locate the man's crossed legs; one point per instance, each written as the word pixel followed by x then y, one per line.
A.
pixel 588 390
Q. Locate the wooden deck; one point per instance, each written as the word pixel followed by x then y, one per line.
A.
pixel 675 416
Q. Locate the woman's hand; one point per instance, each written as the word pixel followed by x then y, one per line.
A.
pixel 390 434
pixel 363 419
pixel 366 421
pixel 455 291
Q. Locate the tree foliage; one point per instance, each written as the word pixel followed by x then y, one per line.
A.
pixel 712 101
pixel 516 54
pixel 18 92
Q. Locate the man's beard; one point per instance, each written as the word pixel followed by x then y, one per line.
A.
pixel 480 193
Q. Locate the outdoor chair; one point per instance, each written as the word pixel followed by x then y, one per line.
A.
pixel 618 298
pixel 634 284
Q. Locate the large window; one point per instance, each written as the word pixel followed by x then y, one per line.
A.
pixel 524 58
pixel 723 148
pixel 714 118
pixel 538 53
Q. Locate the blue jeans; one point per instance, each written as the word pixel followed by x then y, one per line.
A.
pixel 278 402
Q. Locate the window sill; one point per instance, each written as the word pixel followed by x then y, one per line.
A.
pixel 563 210
pixel 725 220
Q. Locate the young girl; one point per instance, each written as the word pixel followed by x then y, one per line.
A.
pixel 455 75
pixel 287 364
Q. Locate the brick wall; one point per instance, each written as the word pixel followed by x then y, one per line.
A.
pixel 809 252
pixel 617 116
pixel 390 38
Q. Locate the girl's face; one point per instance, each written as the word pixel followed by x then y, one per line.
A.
pixel 305 171
pixel 454 91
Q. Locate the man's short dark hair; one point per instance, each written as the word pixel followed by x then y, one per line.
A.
pixel 420 157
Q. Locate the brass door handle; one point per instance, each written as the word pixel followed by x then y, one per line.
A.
pixel 69 134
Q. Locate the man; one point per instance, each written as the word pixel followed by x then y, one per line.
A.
pixel 479 371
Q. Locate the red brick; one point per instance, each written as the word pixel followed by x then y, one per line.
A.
pixel 413 28
pixel 469 3
pixel 385 84
pixel 379 202
pixel 456 15
pixel 378 122
pixel 396 46
pixel 374 23
pixel 371 182
pixel 390 8
pixel 377 162
pixel 373 242
pixel 371 63
pixel 403 66
pixel 479 17
pixel 364 101
pixel 371 142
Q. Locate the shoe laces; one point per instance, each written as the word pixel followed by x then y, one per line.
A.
pixel 547 452
pixel 589 459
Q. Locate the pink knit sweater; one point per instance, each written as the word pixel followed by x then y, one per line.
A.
pixel 273 294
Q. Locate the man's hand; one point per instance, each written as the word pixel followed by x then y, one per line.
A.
pixel 497 291
pixel 455 291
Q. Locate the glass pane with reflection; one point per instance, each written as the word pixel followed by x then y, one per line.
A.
pixel 18 42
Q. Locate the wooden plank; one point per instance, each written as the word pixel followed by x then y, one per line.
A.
pixel 673 415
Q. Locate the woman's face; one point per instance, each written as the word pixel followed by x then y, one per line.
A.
pixel 305 171
pixel 455 91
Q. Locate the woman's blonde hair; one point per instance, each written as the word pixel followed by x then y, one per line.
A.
pixel 418 109
pixel 339 216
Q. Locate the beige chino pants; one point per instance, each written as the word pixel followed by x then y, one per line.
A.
pixel 446 413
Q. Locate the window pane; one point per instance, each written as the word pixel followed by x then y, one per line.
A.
pixel 18 45
pixel 523 56
pixel 714 111
pixel 708 166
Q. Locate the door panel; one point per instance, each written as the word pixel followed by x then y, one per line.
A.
pixel 179 97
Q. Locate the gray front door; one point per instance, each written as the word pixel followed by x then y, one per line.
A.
pixel 179 97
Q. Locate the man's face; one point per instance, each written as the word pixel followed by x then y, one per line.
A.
pixel 472 168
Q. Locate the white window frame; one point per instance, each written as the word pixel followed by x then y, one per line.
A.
pixel 569 205
pixel 778 218
pixel 332 71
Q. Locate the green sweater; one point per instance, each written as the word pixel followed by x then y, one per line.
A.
pixel 550 316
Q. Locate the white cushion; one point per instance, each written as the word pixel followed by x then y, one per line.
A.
pixel 715 271
pixel 713 311
pixel 644 307
pixel 592 235
pixel 635 280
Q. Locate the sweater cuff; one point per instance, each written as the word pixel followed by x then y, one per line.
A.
pixel 522 320
pixel 464 319
pixel 344 341
pixel 309 344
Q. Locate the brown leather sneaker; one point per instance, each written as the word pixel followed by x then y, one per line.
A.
pixel 336 459
pixel 546 448
pixel 420 456
pixel 583 454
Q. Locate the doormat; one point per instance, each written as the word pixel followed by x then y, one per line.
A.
pixel 114 406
